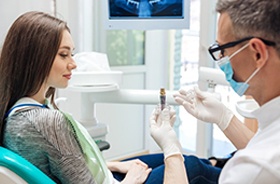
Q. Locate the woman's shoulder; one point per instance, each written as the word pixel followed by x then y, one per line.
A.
pixel 36 115
pixel 43 114
pixel 43 124
pixel 40 119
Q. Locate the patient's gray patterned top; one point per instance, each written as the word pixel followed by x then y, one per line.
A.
pixel 47 141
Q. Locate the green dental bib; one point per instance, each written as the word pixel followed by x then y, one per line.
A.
pixel 92 154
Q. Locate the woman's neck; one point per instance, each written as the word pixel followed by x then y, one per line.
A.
pixel 40 96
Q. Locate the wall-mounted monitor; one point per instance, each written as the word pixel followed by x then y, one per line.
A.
pixel 146 14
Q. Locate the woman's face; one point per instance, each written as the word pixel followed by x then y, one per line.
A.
pixel 63 63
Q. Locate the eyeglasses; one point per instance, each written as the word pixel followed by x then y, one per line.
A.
pixel 217 51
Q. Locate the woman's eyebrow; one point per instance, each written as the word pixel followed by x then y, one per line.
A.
pixel 66 47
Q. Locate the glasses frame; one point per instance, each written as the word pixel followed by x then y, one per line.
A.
pixel 216 47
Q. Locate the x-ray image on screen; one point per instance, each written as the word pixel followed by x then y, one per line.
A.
pixel 146 8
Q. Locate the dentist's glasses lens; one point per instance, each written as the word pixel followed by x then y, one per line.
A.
pixel 216 52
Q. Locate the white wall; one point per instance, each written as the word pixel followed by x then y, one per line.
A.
pixel 11 9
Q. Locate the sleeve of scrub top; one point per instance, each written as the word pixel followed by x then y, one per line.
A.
pixel 249 170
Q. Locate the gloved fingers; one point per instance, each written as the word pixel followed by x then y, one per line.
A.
pixel 157 110
pixel 158 116
pixel 154 129
pixel 183 91
pixel 200 94
pixel 172 112
pixel 153 126
pixel 184 95
pixel 172 120
pixel 179 99
pixel 152 121
pixel 153 118
pixel 165 114
pixel 153 115
pixel 156 113
pixel 190 108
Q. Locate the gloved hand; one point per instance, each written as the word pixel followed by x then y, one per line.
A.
pixel 204 106
pixel 161 129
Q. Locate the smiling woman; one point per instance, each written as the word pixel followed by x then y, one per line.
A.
pixel 63 64
pixel 39 46
pixel 33 56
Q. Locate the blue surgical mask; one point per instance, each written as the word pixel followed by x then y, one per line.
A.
pixel 239 87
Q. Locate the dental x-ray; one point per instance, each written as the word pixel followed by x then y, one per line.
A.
pixel 146 8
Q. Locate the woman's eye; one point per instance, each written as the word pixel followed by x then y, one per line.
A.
pixel 63 55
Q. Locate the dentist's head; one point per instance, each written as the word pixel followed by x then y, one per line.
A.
pixel 247 47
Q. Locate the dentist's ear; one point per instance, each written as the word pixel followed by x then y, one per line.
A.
pixel 262 59
pixel 260 51
pixel 267 55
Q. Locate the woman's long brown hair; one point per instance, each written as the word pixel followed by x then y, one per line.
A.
pixel 26 58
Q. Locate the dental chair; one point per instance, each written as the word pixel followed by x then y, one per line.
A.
pixel 14 169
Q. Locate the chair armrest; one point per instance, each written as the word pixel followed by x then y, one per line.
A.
pixel 23 168
pixel 102 145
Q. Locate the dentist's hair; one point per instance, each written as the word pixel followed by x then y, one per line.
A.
pixel 258 18
pixel 26 58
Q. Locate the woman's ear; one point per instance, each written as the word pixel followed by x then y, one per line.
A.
pixel 260 52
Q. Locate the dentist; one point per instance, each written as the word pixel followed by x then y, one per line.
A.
pixel 248 52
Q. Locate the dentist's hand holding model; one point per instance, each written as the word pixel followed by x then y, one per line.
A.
pixel 204 106
pixel 161 129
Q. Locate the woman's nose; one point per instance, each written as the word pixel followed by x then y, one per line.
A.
pixel 72 65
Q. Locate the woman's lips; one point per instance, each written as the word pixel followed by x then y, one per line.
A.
pixel 68 76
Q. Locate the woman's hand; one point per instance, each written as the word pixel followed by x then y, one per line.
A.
pixel 123 167
pixel 137 173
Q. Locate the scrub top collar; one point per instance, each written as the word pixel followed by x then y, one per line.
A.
pixel 267 113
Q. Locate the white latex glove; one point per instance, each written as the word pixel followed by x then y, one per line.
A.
pixel 161 129
pixel 204 106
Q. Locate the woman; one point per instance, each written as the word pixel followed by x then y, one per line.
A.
pixel 36 58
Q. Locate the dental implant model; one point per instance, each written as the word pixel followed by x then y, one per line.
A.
pixel 162 98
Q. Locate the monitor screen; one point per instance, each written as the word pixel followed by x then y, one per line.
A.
pixel 147 14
